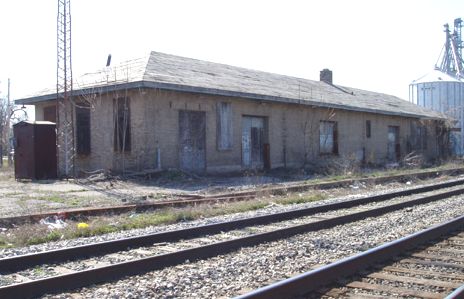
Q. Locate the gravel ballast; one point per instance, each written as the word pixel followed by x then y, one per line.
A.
pixel 358 191
pixel 249 268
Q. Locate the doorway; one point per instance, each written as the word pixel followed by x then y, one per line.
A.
pixel 393 146
pixel 192 140
pixel 254 142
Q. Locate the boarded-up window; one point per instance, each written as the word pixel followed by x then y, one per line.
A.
pixel 83 130
pixel 122 124
pixel 224 126
pixel 422 137
pixel 368 129
pixel 328 137
pixel 49 113
pixel 418 140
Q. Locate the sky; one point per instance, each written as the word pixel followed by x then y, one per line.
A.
pixel 373 45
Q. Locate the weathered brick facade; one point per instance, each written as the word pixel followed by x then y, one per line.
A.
pixel 292 132
pixel 207 117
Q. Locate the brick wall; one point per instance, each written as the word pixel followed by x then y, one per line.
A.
pixel 293 132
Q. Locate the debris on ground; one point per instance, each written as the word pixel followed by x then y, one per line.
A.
pixel 82 225
pixel 357 185
pixel 392 165
pixel 53 222
pixel 102 188
pixel 272 204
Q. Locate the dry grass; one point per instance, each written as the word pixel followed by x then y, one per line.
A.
pixel 39 233
pixel 374 173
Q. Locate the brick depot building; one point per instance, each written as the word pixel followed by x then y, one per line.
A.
pixel 166 111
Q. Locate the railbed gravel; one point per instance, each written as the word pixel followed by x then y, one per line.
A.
pixel 204 240
pixel 362 191
pixel 127 255
pixel 249 268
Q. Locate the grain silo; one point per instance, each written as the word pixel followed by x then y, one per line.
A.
pixel 443 88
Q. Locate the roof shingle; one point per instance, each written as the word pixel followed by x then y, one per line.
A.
pixel 165 71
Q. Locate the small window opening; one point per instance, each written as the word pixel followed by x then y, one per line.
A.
pixel 368 129
pixel 83 130
pixel 328 137
pixel 122 124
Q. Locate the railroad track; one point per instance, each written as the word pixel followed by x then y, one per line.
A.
pixel 427 264
pixel 75 267
pixel 196 199
pixel 433 272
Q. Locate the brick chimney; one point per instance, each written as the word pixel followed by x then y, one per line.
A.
pixel 326 76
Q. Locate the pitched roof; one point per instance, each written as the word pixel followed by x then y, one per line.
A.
pixel 171 72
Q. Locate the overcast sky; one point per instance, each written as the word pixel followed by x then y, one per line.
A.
pixel 374 45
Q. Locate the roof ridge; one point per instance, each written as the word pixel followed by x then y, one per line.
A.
pixel 232 66
pixel 177 73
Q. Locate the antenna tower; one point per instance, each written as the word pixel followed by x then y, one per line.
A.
pixel 64 113
pixel 452 61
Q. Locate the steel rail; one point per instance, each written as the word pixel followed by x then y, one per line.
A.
pixel 313 280
pixel 188 200
pixel 115 271
pixel 458 293
pixel 17 263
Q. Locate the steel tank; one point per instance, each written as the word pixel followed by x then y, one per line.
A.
pixel 442 92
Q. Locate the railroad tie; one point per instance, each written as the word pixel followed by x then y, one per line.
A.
pixel 400 269
pixel 414 280
pixel 393 290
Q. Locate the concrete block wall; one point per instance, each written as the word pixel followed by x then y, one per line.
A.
pixel 293 132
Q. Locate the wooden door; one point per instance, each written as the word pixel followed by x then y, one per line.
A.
pixel 252 141
pixel 192 140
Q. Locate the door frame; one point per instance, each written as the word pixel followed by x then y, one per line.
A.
pixel 395 156
pixel 264 142
pixel 181 132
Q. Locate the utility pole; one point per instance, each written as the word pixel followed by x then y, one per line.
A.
pixel 9 98
pixel 9 109
pixel 64 107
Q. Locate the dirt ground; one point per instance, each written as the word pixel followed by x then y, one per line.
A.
pixel 29 197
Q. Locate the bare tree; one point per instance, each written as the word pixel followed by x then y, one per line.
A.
pixel 4 126
pixel 8 114
pixel 310 130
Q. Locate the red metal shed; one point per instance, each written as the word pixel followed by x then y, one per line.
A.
pixel 35 150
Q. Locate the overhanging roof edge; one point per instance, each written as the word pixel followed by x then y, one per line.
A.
pixel 211 91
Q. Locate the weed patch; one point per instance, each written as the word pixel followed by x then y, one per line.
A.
pixel 301 199
pixel 52 198
pixel 4 243
pixel 36 234
pixel 54 235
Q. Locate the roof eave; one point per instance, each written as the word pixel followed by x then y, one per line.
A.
pixel 80 92
pixel 212 91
